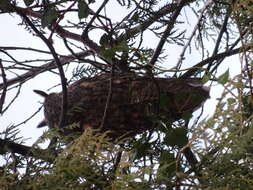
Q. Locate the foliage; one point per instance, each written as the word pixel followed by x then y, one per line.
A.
pixel 83 39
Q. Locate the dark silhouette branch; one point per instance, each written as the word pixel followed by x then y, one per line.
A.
pixel 62 32
pixel 222 31
pixel 218 41
pixel 97 65
pixel 130 33
pixel 24 48
pixel 3 94
pixel 12 147
pixel 58 64
pixel 216 57
pixel 200 17
pixel 166 33
pixel 43 68
pixel 85 32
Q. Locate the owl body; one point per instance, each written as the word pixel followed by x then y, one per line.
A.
pixel 124 104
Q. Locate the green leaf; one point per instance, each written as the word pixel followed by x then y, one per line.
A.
pixel 231 100
pixel 187 115
pixel 167 165
pixel 83 9
pixel 166 157
pixel 123 46
pixel 176 137
pixel 49 16
pixel 223 79
pixel 164 101
pixel 140 150
pixel 135 17
pixel 108 53
pixel 104 40
pixel 206 77
pixel 28 2
pixel 5 6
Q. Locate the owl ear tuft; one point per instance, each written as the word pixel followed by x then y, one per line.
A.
pixel 41 93
pixel 43 123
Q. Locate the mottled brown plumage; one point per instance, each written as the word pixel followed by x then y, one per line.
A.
pixel 133 103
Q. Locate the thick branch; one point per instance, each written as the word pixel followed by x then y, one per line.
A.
pixel 64 33
pixel 11 147
pixel 127 35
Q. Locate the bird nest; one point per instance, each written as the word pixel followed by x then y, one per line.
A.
pixel 123 104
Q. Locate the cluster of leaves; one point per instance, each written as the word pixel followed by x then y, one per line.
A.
pixel 225 146
pixel 153 160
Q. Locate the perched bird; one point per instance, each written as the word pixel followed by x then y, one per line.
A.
pixel 124 104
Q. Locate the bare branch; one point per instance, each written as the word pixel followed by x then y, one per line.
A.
pixel 108 99
pixel 130 33
pixel 167 32
pixel 216 57
pixel 85 32
pixel 24 48
pixel 9 146
pixel 46 67
pixel 181 57
pixel 4 87
pixel 58 64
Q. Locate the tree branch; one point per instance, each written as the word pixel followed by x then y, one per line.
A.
pixel 216 57
pixel 12 147
pixel 85 32
pixel 166 33
pixel 181 57
pixel 24 48
pixel 4 87
pixel 46 67
pixel 58 64
pixel 145 24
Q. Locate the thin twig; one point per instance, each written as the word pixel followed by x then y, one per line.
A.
pixel 85 32
pixel 13 99
pixel 108 100
pixel 23 122
pixel 93 63
pixel 216 57
pixel 181 56
pixel 131 32
pixel 116 164
pixel 24 48
pixel 218 41
pixel 46 67
pixel 4 86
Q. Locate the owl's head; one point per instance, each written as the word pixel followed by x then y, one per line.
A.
pixel 52 109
